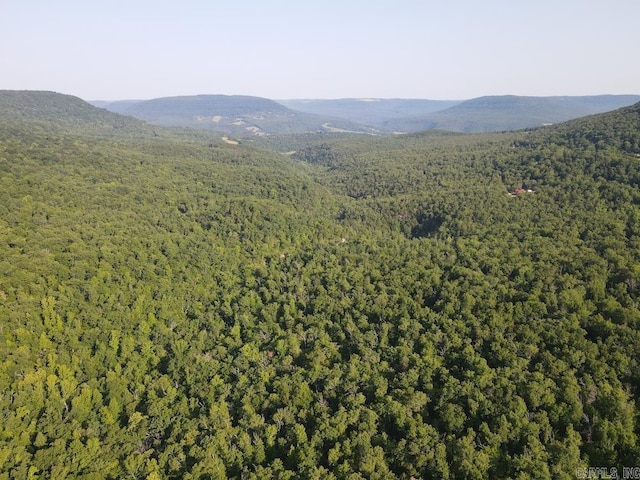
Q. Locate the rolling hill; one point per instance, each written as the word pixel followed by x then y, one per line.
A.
pixel 233 114
pixel 51 112
pixel 510 112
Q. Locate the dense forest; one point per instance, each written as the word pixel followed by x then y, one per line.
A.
pixel 426 306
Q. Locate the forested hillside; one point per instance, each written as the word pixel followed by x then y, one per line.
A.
pixel 509 112
pixel 42 113
pixel 428 306
pixel 233 114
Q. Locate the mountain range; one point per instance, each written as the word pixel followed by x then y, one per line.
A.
pixel 232 114
pixel 250 116
pixel 510 112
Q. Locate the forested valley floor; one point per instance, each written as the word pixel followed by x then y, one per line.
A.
pixel 421 306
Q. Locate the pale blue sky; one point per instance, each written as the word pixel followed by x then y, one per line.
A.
pixel 453 49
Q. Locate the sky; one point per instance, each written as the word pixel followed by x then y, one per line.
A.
pixel 286 49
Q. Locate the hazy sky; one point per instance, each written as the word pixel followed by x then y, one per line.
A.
pixel 280 49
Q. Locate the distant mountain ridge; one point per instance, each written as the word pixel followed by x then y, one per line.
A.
pixel 370 111
pixel 233 114
pixel 256 116
pixel 246 115
pixel 510 112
